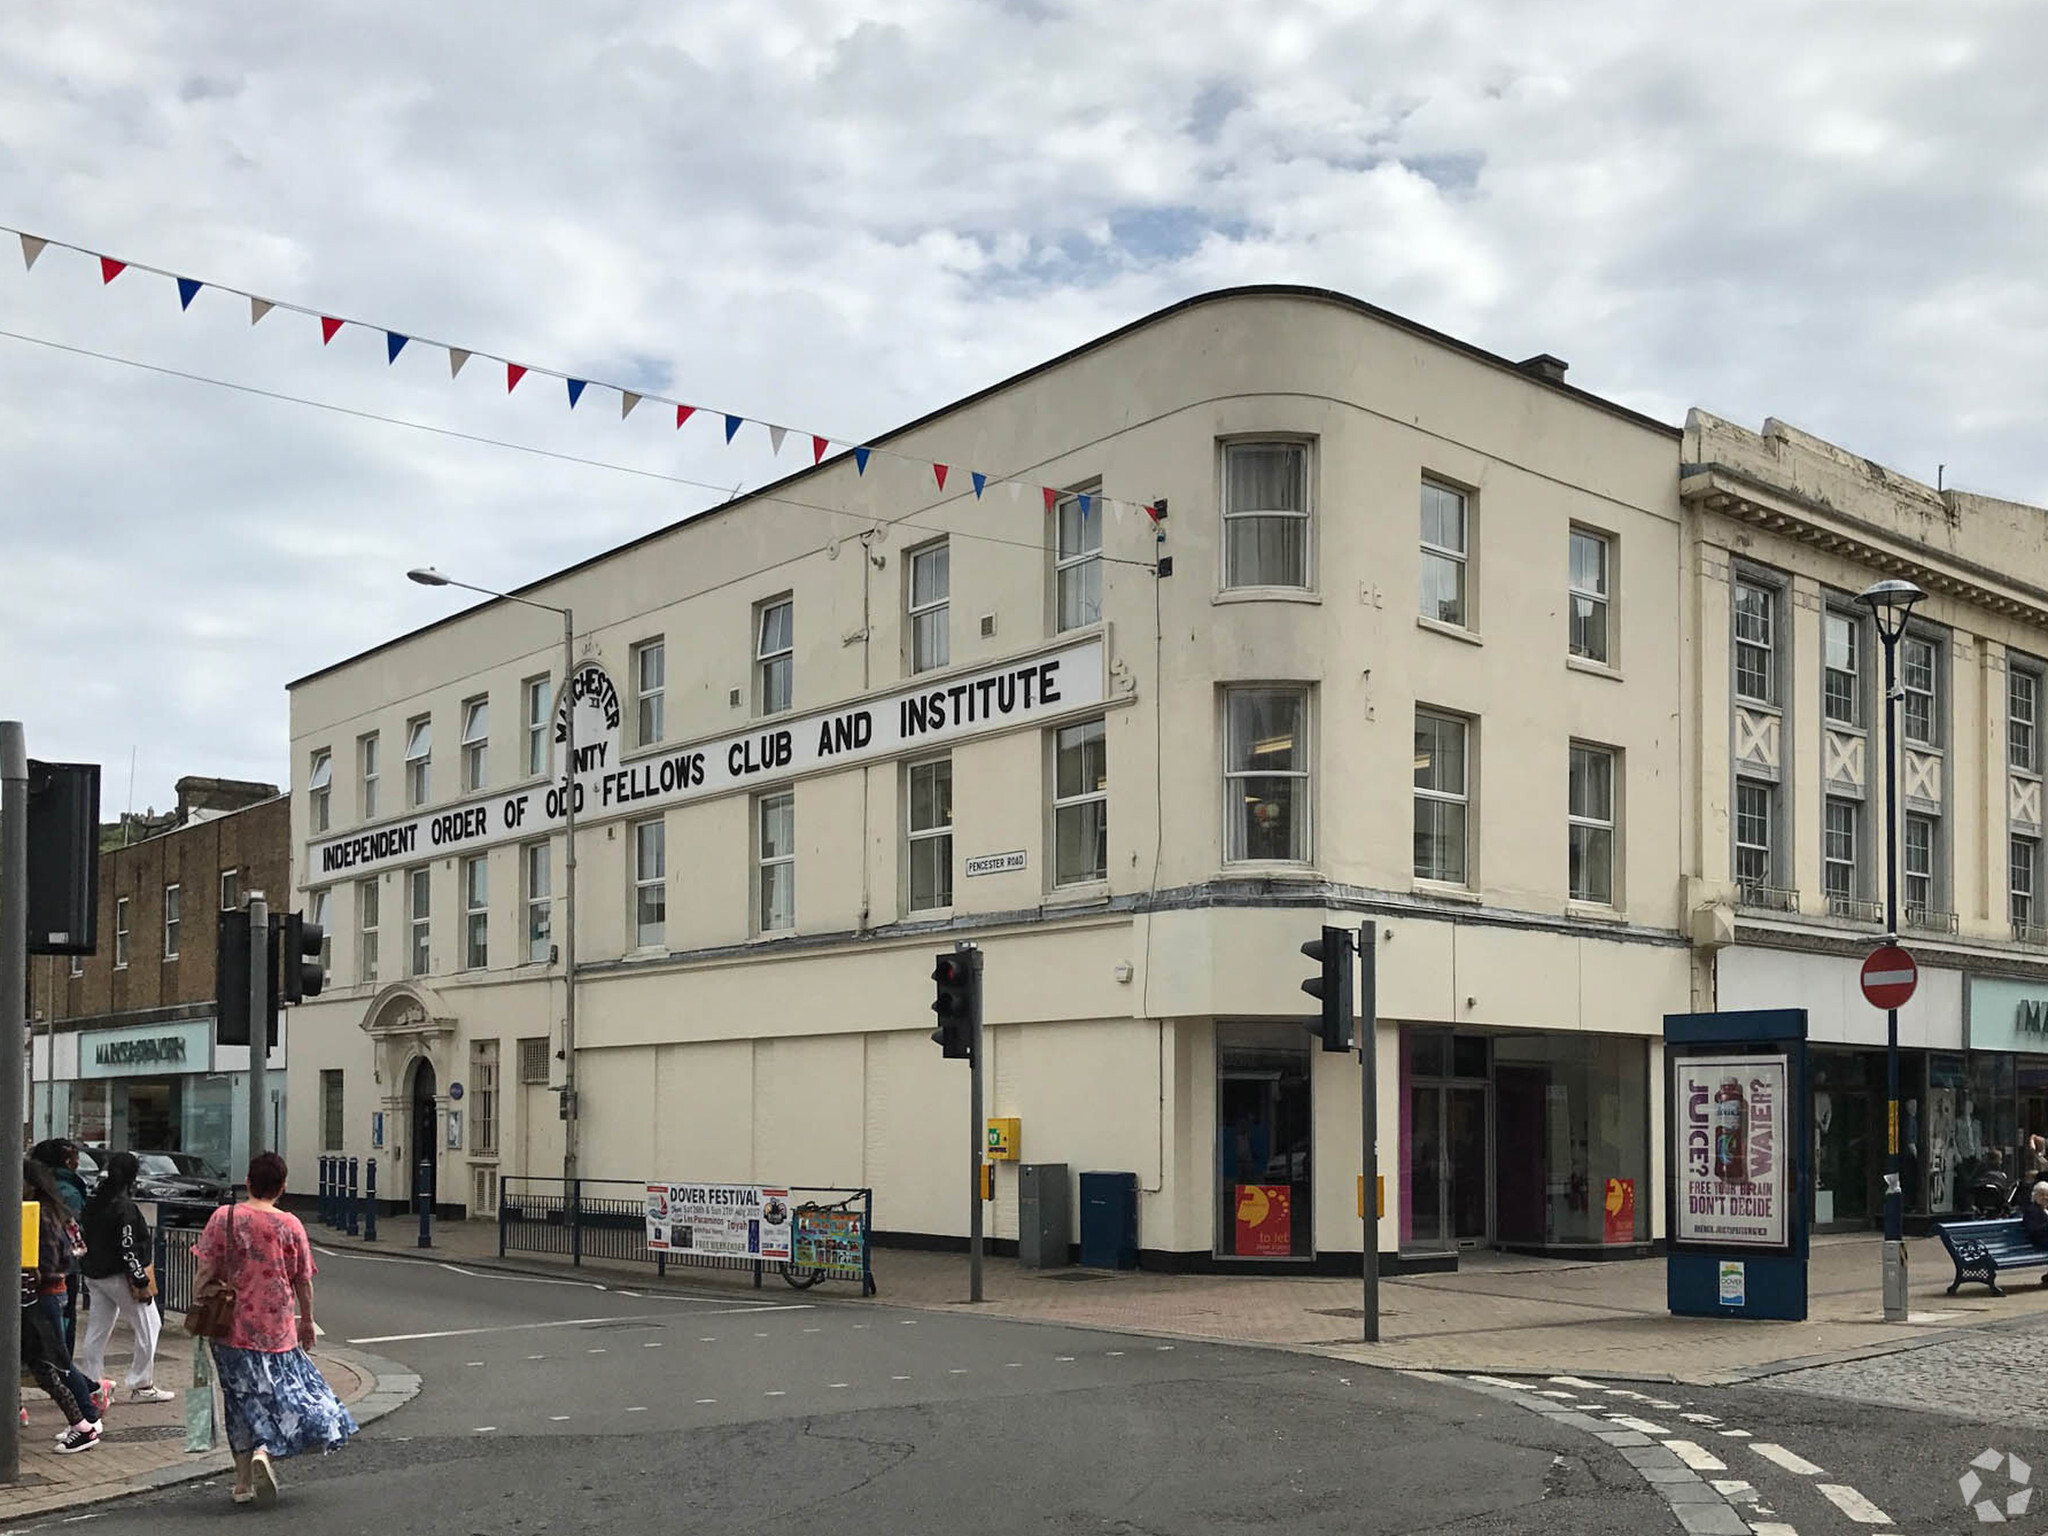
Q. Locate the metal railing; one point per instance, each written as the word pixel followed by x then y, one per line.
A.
pixel 2029 933
pixel 1856 910
pixel 1930 919
pixel 176 1268
pixel 606 1219
pixel 1766 898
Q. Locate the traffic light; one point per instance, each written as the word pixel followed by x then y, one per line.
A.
pixel 231 979
pixel 1332 988
pixel 958 986
pixel 302 974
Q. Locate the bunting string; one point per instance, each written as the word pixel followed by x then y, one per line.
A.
pixel 396 342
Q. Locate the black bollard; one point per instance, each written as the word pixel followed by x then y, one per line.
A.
pixel 370 1201
pixel 423 1196
pixel 354 1209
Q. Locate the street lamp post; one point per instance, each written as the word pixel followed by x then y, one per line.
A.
pixel 427 576
pixel 1891 604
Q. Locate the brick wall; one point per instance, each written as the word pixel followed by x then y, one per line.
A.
pixel 255 842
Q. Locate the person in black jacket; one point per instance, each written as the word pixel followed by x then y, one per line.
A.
pixel 42 1318
pixel 2034 1218
pixel 118 1250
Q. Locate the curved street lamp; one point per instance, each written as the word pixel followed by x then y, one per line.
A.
pixel 427 576
pixel 1891 605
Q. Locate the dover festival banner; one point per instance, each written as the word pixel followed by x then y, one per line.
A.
pixel 1731 1124
pixel 729 1221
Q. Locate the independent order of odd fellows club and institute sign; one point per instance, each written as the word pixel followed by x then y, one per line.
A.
pixel 1047 686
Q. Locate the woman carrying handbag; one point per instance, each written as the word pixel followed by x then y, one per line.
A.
pixel 254 1263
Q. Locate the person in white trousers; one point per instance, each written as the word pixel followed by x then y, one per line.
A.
pixel 118 1277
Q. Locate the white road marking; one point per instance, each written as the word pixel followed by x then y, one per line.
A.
pixel 1733 1434
pixel 760 1335
pixel 1576 1381
pixel 776 1392
pixel 472 1362
pixel 319 1332
pixel 1700 1418
pixel 837 1385
pixel 1064 1359
pixel 1162 1348
pixel 704 1402
pixel 1634 1397
pixel 470 1333
pixel 712 1339
pixel 1734 1490
pixel 1853 1504
pixel 1640 1426
pixel 1496 1381
pixel 1774 1528
pixel 908 1322
pixel 486 1429
pixel 814 1330
pixel 1658 1402
pixel 655 1345
pixel 1013 1365
pixel 958 1370
pixel 636 1410
pixel 558 1418
pixel 1784 1458
pixel 1554 1392
pixel 1698 1457
pixel 1114 1353
pixel 899 1378
pixel 597 1351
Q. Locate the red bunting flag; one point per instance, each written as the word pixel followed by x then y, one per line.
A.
pixel 684 413
pixel 1051 496
pixel 818 447
pixel 514 372
pixel 939 474
pixel 111 269
pixel 328 326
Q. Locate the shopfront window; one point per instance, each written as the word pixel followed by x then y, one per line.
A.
pixel 1572 1139
pixel 1987 1132
pixel 1446 1132
pixel 1264 1132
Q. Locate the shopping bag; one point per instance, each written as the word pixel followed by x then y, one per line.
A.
pixel 199 1427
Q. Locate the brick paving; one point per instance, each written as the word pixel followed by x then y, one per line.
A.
pixel 1995 1375
pixel 143 1445
pixel 1500 1313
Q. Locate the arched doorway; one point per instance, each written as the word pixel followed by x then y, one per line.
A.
pixel 425 1149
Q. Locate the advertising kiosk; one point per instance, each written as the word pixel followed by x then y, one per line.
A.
pixel 1739 1165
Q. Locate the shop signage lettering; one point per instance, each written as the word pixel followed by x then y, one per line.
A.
pixel 1050 685
pixel 2031 1018
pixel 161 1051
pixel 1731 1132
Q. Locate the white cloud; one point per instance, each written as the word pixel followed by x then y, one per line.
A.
pixel 842 215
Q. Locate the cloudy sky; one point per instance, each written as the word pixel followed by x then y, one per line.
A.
pixel 840 215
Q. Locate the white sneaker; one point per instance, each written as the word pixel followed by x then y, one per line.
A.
pixel 151 1394
pixel 76 1440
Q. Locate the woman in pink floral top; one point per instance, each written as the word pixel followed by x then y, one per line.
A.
pixel 278 1404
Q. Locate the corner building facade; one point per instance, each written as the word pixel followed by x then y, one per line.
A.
pixel 1416 662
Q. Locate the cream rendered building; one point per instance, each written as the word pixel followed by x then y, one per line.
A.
pixel 1417 661
pixel 1785 676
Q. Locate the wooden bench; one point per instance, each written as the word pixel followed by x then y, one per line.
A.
pixel 1982 1250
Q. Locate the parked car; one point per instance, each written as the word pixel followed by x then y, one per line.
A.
pixel 184 1185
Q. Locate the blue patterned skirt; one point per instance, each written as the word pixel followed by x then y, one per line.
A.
pixel 280 1402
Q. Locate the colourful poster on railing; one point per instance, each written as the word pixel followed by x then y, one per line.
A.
pixel 830 1240
pixel 731 1221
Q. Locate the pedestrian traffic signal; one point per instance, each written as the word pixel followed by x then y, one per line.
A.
pixel 958 984
pixel 302 973
pixel 1331 987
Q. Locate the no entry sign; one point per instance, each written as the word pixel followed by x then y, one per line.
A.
pixel 1889 977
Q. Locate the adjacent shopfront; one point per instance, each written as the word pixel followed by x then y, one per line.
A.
pixel 150 1087
pixel 2008 1039
pixel 1523 1139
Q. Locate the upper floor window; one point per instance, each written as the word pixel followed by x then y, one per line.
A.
pixel 540 927
pixel 1589 560
pixel 419 760
pixel 1755 835
pixel 368 781
pixel 1266 775
pixel 1443 798
pixel 1265 515
pixel 120 933
pixel 174 912
pixel 316 913
pixel 420 894
pixel 2023 719
pixel 778 859
pixel 1077 564
pixel 320 791
pixel 931 596
pixel 476 744
pixel 1756 631
pixel 1080 803
pixel 930 835
pixel 1920 679
pixel 650 686
pixel 1590 812
pixel 2023 866
pixel 1920 841
pixel 476 912
pixel 1840 849
pixel 230 890
pixel 367 895
pixel 774 655
pixel 538 696
pixel 650 883
pixel 1445 553
pixel 1842 667
pixel 483 1088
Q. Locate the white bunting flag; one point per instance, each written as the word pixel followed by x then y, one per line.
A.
pixel 31 248
pixel 258 308
pixel 627 400
pixel 1016 489
pixel 775 436
pixel 456 358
